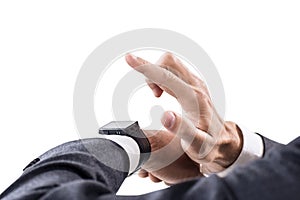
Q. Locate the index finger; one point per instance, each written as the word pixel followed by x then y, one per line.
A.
pixel 134 61
pixel 183 92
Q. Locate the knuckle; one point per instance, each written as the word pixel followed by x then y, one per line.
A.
pixel 167 76
pixel 202 97
pixel 167 59
pixel 206 158
pixel 168 56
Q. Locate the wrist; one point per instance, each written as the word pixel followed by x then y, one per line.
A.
pixel 233 143
pixel 252 149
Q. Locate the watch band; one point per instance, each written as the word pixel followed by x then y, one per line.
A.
pixel 130 129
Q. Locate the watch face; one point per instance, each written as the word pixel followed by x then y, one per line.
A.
pixel 117 125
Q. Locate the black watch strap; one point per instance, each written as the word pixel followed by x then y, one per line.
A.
pixel 130 129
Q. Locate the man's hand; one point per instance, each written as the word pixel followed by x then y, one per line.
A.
pixel 209 141
pixel 167 161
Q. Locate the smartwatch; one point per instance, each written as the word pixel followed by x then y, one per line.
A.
pixel 130 129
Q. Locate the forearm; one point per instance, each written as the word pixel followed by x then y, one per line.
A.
pixel 78 165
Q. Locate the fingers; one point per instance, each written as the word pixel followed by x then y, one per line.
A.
pixel 134 61
pixel 193 140
pixel 154 178
pixel 157 91
pixel 143 173
pixel 167 61
pixel 162 77
pixel 182 127
pixel 173 64
pixel 168 184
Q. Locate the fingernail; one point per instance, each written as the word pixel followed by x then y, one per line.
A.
pixel 168 120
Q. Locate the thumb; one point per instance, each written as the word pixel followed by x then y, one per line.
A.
pixel 184 129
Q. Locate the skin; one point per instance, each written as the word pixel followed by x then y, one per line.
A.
pixel 208 143
pixel 180 169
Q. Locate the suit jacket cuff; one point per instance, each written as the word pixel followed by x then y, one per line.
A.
pixel 131 148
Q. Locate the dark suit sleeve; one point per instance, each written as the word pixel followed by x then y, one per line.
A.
pixel 71 172
pixel 274 177
pixel 83 169
pixel 268 143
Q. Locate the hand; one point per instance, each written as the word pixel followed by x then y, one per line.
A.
pixel 209 141
pixel 167 161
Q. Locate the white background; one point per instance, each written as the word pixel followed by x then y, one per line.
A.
pixel 255 46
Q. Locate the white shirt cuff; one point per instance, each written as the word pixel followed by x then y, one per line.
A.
pixel 130 146
pixel 253 148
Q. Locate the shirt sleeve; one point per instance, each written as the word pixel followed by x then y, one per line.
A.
pixel 253 148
